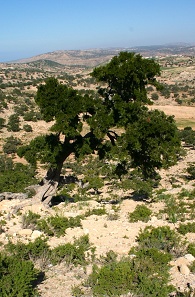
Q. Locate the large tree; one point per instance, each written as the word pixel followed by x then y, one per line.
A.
pixel 118 123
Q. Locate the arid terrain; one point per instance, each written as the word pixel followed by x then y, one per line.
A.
pixel 111 231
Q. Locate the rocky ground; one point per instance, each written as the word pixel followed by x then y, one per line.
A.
pixel 105 232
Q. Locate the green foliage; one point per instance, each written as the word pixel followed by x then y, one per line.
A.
pixel 192 267
pixel 112 279
pixel 162 238
pixel 152 142
pixel 30 116
pixel 141 139
pixel 11 145
pixel 141 213
pixel 154 96
pixel 186 228
pixel 146 275
pixel 13 123
pixel 126 78
pixel 72 253
pixel 2 123
pixel 27 128
pixel 46 148
pixel 57 225
pixel 191 171
pixel 32 250
pixel 188 136
pixel 95 211
pixel 29 220
pixel 191 249
pixel 15 177
pixel 60 224
pixel 174 209
pixel 17 277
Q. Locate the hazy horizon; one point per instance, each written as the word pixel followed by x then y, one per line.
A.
pixel 35 27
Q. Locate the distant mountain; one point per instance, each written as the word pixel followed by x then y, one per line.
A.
pixel 93 57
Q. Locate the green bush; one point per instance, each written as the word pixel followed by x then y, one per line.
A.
pixel 191 171
pixel 174 209
pixel 17 278
pixel 15 177
pixel 186 228
pixel 33 250
pixel 2 123
pixel 162 238
pixel 192 267
pixel 95 211
pixel 30 116
pixel 191 249
pixel 72 253
pixel 29 220
pixel 11 145
pixel 57 225
pixel 154 96
pixel 13 123
pixel 27 128
pixel 141 213
pixel 188 136
pixel 146 274
pixel 113 279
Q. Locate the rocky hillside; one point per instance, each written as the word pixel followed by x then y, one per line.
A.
pixel 89 241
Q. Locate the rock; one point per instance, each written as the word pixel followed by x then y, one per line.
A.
pixel 35 234
pixel 153 219
pixel 189 258
pixel 25 232
pixel 10 196
pixel 183 269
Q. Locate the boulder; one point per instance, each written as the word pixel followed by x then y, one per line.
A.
pixel 10 196
pixel 183 269
pixel 35 234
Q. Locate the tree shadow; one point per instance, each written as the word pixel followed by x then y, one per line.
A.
pixel 40 278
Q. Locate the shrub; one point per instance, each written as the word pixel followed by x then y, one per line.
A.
pixel 113 279
pixel 27 128
pixel 95 211
pixel 191 171
pixel 57 225
pixel 32 250
pixel 30 116
pixel 15 177
pixel 17 278
pixel 191 249
pixel 188 136
pixel 186 228
pixel 154 96
pixel 162 238
pixel 192 267
pixel 175 211
pixel 145 275
pixel 141 213
pixel 13 123
pixel 72 253
pixel 2 123
pixel 11 145
pixel 29 220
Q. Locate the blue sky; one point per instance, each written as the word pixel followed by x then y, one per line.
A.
pixel 32 27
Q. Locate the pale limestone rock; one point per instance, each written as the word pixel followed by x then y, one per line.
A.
pixel 189 258
pixel 25 232
pixel 183 268
pixel 35 234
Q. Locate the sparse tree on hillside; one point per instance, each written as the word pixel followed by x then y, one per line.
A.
pixel 119 124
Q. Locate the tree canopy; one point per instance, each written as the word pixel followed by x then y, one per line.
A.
pixel 115 123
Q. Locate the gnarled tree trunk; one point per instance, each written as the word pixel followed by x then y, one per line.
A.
pixel 49 185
